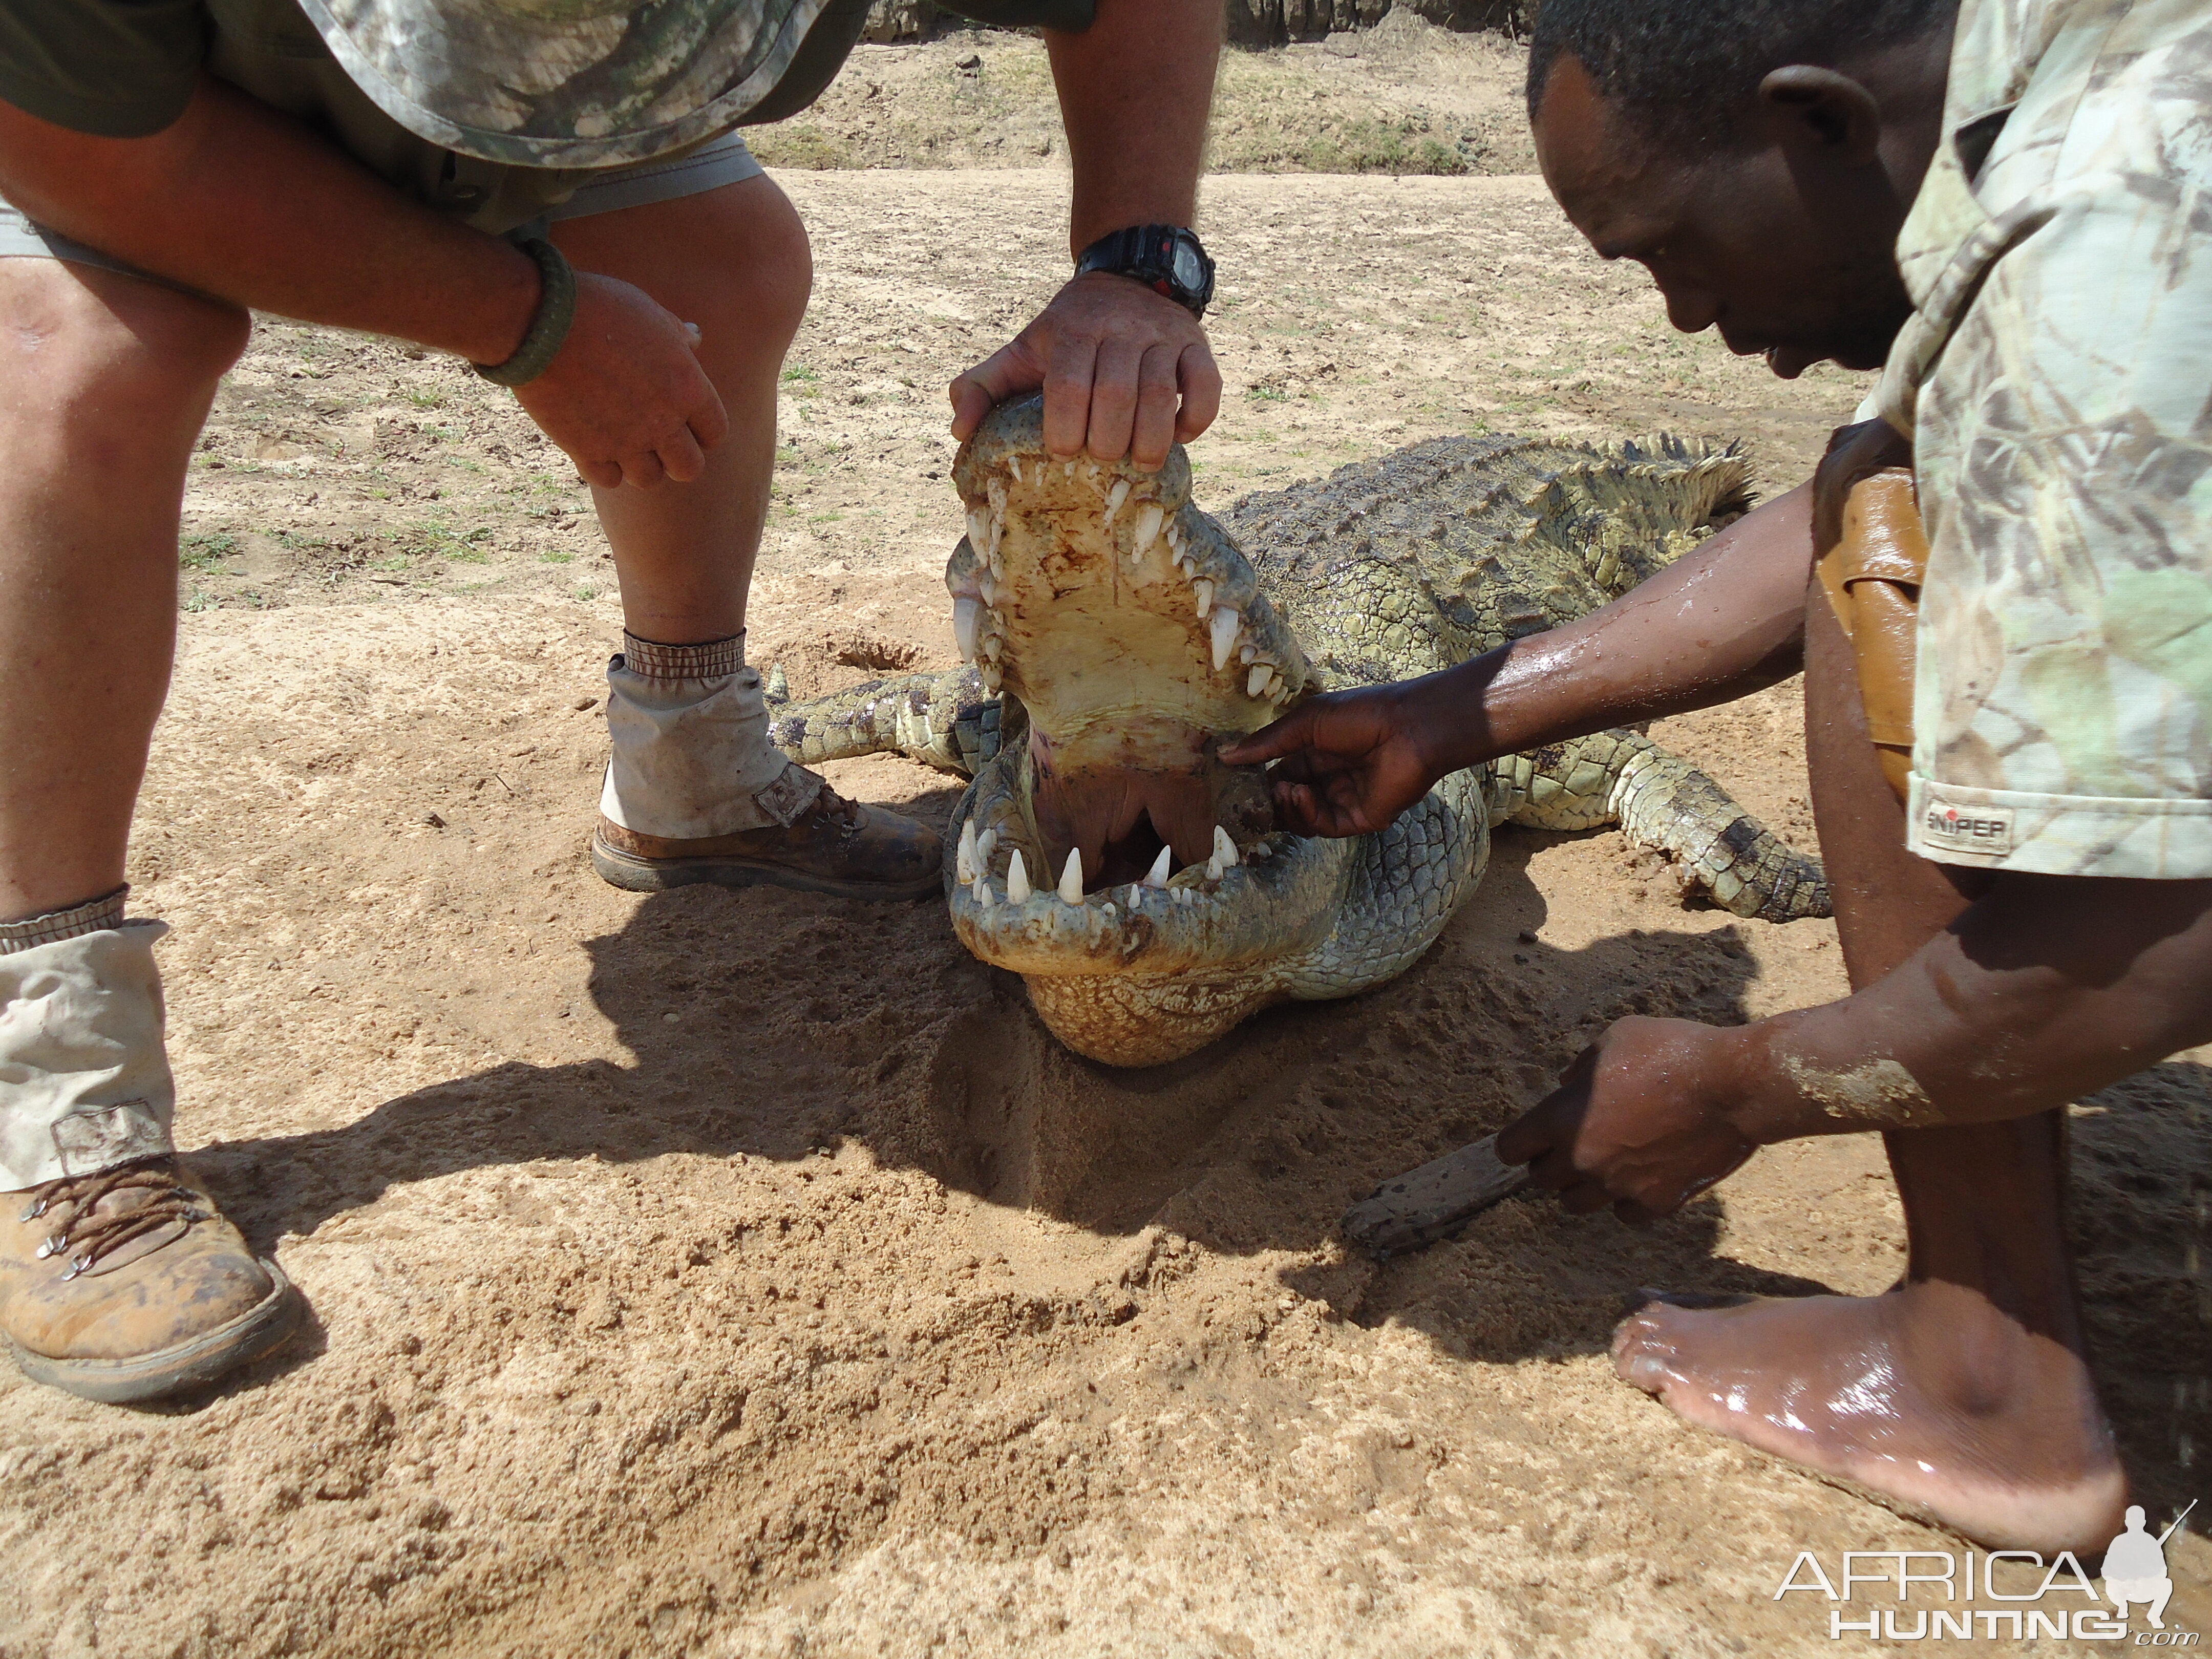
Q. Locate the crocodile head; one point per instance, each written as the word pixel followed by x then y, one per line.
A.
pixel 1137 884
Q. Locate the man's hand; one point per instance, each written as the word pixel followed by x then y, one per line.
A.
pixel 1640 1121
pixel 625 396
pixel 1125 371
pixel 1352 761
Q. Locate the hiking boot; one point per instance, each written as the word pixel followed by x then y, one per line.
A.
pixel 834 846
pixel 127 1285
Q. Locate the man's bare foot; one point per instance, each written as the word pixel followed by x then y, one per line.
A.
pixel 1928 1396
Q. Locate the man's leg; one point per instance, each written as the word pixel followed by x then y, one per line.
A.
pixel 696 793
pixel 117 1281
pixel 1962 1391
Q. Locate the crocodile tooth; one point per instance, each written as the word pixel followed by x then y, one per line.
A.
pixel 1070 879
pixel 1245 653
pixel 964 863
pixel 1018 880
pixel 986 844
pixel 1148 520
pixel 1014 466
pixel 984 900
pixel 1157 875
pixel 1256 684
pixel 1225 623
pixel 967 620
pixel 1202 591
pixel 1109 907
pixel 978 528
pixel 991 677
pixel 992 647
pixel 1115 497
pixel 1225 850
pixel 1069 469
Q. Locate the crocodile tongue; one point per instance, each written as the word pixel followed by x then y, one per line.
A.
pixel 1119 816
pixel 1134 632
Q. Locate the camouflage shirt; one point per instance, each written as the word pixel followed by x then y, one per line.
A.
pixel 2057 378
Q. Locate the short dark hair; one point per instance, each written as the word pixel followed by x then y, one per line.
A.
pixel 1680 67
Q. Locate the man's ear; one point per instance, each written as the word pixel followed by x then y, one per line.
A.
pixel 1820 108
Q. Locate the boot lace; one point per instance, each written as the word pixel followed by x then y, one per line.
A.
pixel 83 1233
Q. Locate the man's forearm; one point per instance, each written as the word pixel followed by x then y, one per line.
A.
pixel 2047 988
pixel 1135 90
pixel 249 205
pixel 1721 622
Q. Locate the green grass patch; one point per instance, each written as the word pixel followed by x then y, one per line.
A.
pixel 205 549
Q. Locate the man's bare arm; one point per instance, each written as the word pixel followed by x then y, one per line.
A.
pixel 247 204
pixel 1125 370
pixel 1720 622
pixel 1135 91
pixel 2043 990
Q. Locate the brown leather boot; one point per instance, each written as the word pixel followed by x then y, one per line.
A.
pixel 127 1285
pixel 836 845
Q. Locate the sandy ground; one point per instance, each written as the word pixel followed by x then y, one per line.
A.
pixel 1405 96
pixel 734 1274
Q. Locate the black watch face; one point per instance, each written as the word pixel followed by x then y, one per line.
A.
pixel 1189 273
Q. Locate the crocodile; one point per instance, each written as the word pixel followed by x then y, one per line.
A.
pixel 1114 636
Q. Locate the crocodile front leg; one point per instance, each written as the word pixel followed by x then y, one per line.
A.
pixel 1661 800
pixel 946 720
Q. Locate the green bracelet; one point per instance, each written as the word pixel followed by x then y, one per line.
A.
pixel 556 309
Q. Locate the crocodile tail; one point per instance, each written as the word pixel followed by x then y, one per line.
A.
pixel 946 720
pixel 1664 801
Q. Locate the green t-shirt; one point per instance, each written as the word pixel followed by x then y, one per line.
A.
pixel 119 69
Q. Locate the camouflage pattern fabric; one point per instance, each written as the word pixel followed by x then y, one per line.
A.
pixel 2055 380
pixel 567 84
pixel 587 83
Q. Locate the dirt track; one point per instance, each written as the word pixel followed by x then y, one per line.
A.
pixel 743 1273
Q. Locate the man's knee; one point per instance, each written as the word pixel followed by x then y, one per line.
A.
pixel 84 345
pixel 779 270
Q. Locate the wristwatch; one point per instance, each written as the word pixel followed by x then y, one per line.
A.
pixel 1167 259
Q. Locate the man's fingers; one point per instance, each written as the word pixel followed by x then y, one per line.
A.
pixel 710 422
pixel 1201 379
pixel 1067 393
pixel 643 469
pixel 681 457
pixel 1154 429
pixel 605 475
pixel 1584 1198
pixel 1112 400
pixel 1537 1131
pixel 973 394
pixel 1292 733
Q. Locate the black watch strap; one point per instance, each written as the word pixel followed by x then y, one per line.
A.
pixel 1169 259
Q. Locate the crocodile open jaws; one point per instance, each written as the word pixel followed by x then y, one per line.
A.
pixel 1140 886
